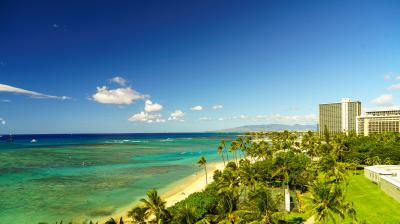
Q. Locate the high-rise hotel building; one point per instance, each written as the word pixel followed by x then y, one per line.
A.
pixel 339 117
pixel 378 121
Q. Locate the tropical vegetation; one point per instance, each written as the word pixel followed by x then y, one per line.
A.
pixel 260 167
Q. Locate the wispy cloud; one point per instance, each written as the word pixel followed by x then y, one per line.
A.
pixel 279 118
pixel 147 117
pixel 119 80
pixel 383 100
pixel 196 108
pixel 205 119
pixel 117 96
pixel 5 100
pixel 2 121
pixel 177 115
pixel 33 94
pixel 394 87
pixel 308 118
pixel 391 75
pixel 217 107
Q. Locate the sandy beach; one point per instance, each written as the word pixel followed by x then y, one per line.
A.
pixel 191 184
pixel 179 190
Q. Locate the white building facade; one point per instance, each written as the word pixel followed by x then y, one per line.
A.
pixel 378 122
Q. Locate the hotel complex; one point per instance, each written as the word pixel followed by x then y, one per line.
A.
pixel 345 117
pixel 339 117
pixel 378 122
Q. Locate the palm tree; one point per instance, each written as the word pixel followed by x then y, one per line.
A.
pixel 138 214
pixel 282 168
pixel 262 199
pixel 228 178
pixel 186 215
pixel 228 200
pixel 203 163
pixel 233 148
pixel 308 143
pixel 327 136
pixel 220 151
pixel 339 146
pixel 328 200
pixel 242 146
pixel 224 146
pixel 155 206
pixel 263 150
pixel 246 174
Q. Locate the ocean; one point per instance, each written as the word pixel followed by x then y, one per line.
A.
pixel 81 177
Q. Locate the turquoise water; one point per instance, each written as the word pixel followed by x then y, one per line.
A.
pixel 83 177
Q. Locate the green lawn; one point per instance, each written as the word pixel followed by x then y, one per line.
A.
pixel 372 204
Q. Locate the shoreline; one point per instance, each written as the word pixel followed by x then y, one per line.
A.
pixel 176 191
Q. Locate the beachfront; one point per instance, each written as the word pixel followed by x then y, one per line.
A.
pixel 177 191
pixel 199 112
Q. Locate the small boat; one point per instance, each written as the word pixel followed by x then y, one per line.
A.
pixel 33 140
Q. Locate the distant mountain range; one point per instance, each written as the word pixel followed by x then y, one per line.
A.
pixel 271 127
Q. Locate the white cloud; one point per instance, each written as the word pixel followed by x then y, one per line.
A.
pixel 217 107
pixel 147 117
pixel 205 119
pixel 394 87
pixel 119 80
pixel 117 96
pixel 12 89
pixel 2 121
pixel 390 75
pixel 197 108
pixel 5 100
pixel 177 115
pixel 221 119
pixel 152 107
pixel 383 100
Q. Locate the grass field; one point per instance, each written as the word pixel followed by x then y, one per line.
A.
pixel 372 204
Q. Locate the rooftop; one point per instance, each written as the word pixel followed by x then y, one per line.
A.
pixel 385 169
pixel 393 179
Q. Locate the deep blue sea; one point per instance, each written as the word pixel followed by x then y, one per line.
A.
pixel 80 177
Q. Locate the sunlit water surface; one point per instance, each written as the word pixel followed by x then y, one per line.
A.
pixel 83 177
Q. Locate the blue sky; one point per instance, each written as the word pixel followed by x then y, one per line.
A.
pixel 255 62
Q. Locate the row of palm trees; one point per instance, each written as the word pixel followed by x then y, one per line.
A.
pixel 243 195
pixel 240 144
pixel 246 189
